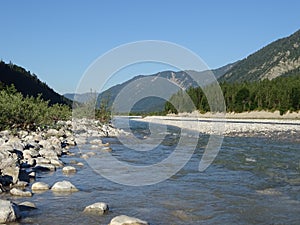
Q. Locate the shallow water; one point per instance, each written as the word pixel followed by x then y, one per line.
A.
pixel 253 180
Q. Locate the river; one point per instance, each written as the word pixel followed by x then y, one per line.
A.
pixel 253 180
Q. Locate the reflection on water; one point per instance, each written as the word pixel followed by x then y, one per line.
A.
pixel 253 180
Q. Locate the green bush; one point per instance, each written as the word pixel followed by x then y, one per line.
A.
pixel 19 112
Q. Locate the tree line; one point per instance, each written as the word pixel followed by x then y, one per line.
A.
pixel 282 94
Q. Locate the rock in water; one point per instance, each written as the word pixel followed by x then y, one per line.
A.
pixel 40 186
pixel 98 208
pixel 126 220
pixel 9 212
pixel 27 206
pixel 69 169
pixel 64 186
pixel 20 193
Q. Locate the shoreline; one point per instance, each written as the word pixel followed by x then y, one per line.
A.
pixel 244 115
pixel 229 126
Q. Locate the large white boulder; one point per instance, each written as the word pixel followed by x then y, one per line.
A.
pixel 9 212
pixel 99 208
pixel 20 193
pixel 40 186
pixel 126 220
pixel 64 186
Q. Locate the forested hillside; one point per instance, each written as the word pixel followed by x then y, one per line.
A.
pixel 281 57
pixel 282 93
pixel 28 84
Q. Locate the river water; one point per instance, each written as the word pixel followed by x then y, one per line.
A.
pixel 253 180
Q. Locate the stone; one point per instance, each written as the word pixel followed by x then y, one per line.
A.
pixel 27 206
pixel 44 143
pixel 80 164
pixel 21 184
pixel 91 153
pixel 108 149
pixel 84 156
pixel 96 142
pixel 64 186
pixel 32 174
pixel 9 165
pixel 44 167
pixel 52 132
pixel 126 220
pixel 97 208
pixel 30 152
pixel 20 193
pixel 48 154
pixel 69 169
pixel 56 162
pixel 40 186
pixel 9 212
pixel 41 160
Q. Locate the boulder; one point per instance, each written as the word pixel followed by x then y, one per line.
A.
pixel 52 132
pixel 45 144
pixel 27 206
pixel 9 212
pixel 44 167
pixel 64 186
pixel 30 153
pixel 21 184
pixel 97 208
pixel 56 162
pixel 9 165
pixel 48 154
pixel 20 193
pixel 41 160
pixel 96 142
pixel 40 186
pixel 126 220
pixel 69 169
pixel 16 143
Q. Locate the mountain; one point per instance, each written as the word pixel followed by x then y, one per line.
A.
pixel 280 58
pixel 180 79
pixel 81 98
pixel 29 84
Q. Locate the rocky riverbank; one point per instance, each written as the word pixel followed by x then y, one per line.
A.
pixel 24 154
pixel 231 127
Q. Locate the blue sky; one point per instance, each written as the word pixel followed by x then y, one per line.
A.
pixel 58 40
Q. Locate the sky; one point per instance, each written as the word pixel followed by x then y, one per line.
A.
pixel 59 40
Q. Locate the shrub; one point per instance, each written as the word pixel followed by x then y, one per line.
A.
pixel 19 112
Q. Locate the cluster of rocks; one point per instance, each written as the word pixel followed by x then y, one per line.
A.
pixel 84 128
pixel 23 154
pixel 10 212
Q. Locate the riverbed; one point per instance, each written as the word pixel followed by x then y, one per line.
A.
pixel 253 180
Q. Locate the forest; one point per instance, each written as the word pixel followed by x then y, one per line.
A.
pixel 282 93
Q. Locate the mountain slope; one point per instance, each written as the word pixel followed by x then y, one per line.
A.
pixel 29 84
pixel 180 79
pixel 281 57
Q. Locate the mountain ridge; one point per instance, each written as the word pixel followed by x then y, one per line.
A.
pixel 29 84
pixel 278 58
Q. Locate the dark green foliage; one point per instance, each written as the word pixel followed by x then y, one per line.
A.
pixel 282 93
pixel 256 65
pixel 19 112
pixel 28 84
pixel 93 108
